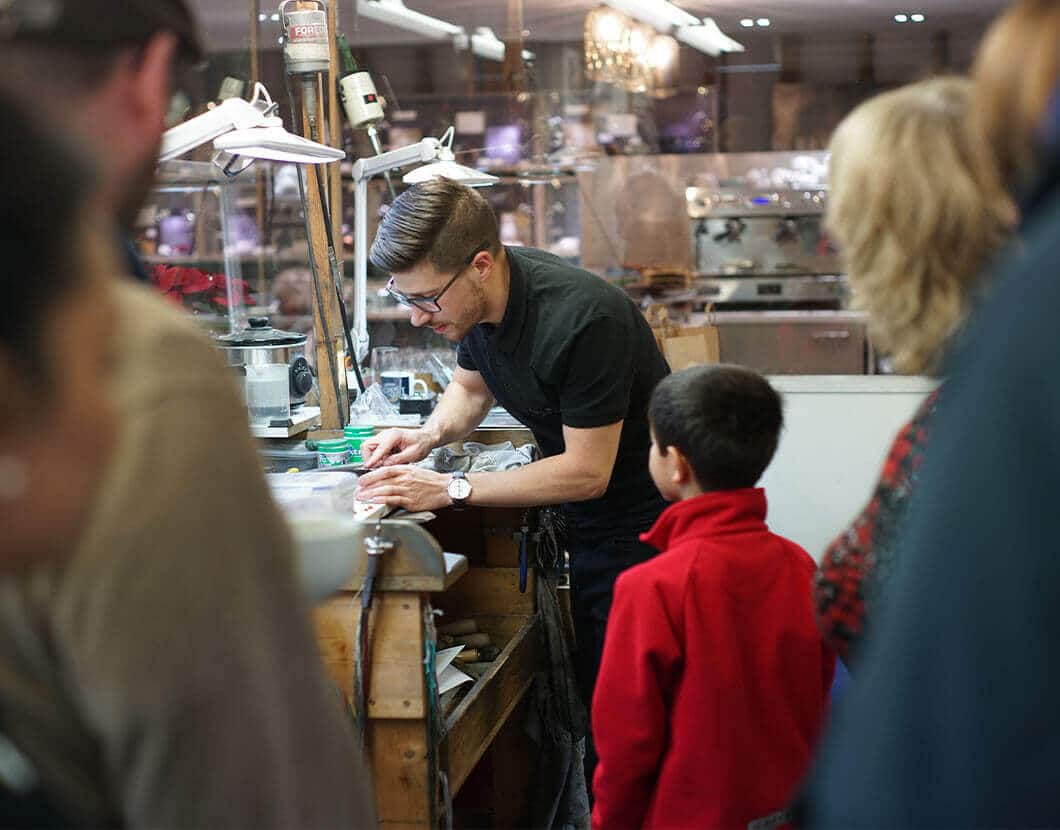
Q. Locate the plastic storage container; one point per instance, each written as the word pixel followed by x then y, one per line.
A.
pixel 268 395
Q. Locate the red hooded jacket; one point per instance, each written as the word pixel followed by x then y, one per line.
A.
pixel 714 679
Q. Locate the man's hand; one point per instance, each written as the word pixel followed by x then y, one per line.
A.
pixel 396 446
pixel 409 487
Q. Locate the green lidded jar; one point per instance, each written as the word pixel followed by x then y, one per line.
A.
pixel 354 436
pixel 332 453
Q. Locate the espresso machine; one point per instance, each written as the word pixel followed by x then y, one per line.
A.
pixel 763 249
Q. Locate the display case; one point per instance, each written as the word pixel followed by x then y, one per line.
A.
pixel 227 249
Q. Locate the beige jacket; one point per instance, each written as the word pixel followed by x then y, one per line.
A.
pixel 166 673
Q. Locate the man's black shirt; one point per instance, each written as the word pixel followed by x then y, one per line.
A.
pixel 573 350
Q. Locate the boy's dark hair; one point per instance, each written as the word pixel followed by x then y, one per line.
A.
pixel 725 420
pixel 440 221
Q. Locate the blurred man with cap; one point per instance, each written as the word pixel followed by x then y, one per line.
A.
pixel 163 673
pixel 103 72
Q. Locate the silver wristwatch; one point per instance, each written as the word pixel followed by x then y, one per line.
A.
pixel 459 489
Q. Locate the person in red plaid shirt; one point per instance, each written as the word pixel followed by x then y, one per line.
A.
pixel 917 272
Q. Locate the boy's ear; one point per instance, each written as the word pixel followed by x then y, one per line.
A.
pixel 681 468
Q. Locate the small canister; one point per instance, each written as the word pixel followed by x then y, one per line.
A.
pixel 307 48
pixel 332 453
pixel 355 435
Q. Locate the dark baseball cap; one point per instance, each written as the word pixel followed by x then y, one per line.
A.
pixel 99 24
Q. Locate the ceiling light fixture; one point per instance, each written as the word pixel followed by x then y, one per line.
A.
pixel 747 23
pixel 486 44
pixel 763 21
pixel 656 13
pixel 901 18
pixel 623 49
pixel 917 18
pixel 482 42
pixel 667 18
pixel 708 38
pixel 396 13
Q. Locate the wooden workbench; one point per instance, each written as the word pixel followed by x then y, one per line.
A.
pixel 398 735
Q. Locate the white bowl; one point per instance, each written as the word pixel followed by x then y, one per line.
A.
pixel 326 550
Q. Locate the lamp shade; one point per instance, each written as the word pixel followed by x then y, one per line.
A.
pixel 276 144
pixel 449 170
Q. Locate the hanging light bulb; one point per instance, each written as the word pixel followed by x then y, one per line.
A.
pixel 627 53
pixel 661 62
pixel 608 27
pixel 639 73
pixel 662 54
pixel 607 45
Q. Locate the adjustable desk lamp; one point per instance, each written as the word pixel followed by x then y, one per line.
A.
pixel 437 157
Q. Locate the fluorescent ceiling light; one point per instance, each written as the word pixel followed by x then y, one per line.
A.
pixel 900 18
pixel 747 23
pixel 486 44
pixel 708 38
pixel 917 18
pixel 396 13
pixel 762 21
pixel 658 13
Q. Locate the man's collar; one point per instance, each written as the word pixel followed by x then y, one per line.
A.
pixel 511 326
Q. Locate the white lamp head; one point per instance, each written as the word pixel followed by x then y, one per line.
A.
pixel 449 170
pixel 248 129
pixel 446 167
pixel 276 144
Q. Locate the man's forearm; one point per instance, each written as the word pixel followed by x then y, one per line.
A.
pixel 555 480
pixel 457 414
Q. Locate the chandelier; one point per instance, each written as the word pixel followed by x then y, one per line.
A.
pixel 625 53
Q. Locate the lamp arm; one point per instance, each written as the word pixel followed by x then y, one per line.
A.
pixel 363 169
pixel 424 151
pixel 360 266
pixel 231 114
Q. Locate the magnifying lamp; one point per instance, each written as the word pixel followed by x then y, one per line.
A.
pixel 437 160
pixel 248 130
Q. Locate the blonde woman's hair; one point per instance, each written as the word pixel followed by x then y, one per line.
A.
pixel 1016 73
pixel 917 210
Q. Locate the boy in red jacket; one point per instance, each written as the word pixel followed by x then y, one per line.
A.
pixel 714 678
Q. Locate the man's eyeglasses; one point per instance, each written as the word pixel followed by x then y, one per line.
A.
pixel 430 304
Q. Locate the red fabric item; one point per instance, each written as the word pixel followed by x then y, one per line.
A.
pixel 714 679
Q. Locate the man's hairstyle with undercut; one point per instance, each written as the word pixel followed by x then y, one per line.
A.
pixel 439 222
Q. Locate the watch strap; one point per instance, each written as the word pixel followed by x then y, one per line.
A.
pixel 458 504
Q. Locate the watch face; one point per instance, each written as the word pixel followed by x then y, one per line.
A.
pixel 459 489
